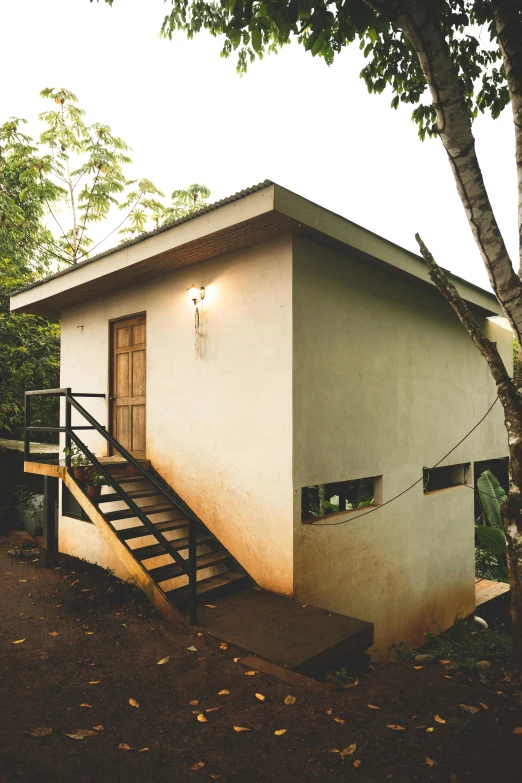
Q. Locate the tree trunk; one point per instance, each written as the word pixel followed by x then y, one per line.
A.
pixel 512 518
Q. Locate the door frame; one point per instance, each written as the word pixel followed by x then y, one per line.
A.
pixel 110 374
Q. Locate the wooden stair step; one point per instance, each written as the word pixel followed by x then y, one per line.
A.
pixel 163 573
pixel 155 550
pixel 135 493
pixel 127 513
pixel 128 533
pixel 213 583
pixel 126 478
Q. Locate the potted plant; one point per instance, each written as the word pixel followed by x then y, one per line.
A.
pixel 79 462
pixel 95 482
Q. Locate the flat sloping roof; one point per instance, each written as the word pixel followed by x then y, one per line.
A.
pixel 247 218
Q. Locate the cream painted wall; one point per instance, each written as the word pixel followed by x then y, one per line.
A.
pixel 219 427
pixel 386 381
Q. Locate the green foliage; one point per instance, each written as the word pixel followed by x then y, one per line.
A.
pixel 489 566
pixel 491 536
pixel 465 645
pixel 77 173
pixel 253 28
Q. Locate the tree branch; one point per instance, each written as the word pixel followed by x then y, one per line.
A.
pixel 420 22
pixel 508 22
pixel 488 349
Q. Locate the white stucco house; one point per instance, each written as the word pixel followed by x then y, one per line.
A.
pixel 324 367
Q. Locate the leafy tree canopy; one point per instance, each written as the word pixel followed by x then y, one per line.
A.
pixel 251 29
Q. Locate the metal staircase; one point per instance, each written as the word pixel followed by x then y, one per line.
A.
pixel 165 546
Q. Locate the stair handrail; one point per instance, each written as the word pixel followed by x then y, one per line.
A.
pixel 188 565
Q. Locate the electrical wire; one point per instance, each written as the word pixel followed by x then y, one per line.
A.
pixel 404 491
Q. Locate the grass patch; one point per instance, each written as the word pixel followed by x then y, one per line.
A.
pixel 464 645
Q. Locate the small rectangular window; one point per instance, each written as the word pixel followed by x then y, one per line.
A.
pixel 446 477
pixel 322 500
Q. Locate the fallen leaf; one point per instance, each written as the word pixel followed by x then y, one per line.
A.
pixel 395 727
pixel 18 641
pixel 445 661
pixel 86 589
pixel 192 648
pixel 329 712
pixel 484 706
pixel 240 728
pixel 373 707
pixel 199 765
pixel 470 709
pixel 251 673
pixel 352 684
pixel 448 677
pixel 260 697
pixel 202 658
pixel 53 633
pixel 439 719
pixel 357 763
pixel 430 729
pixel 143 750
pixel 518 730
pixel 350 750
pixel 236 660
pixel 40 732
pixel 334 750
pixel 124 746
pixel 202 718
pixel 280 732
pixel 98 728
pixel 134 703
pixel 340 720
pixel 223 646
pixel 194 703
pixel 289 699
pixel 94 682
pixel 212 709
pixel 24 580
pixel 223 693
pixel 86 705
pixel 418 667
pixel 89 633
pixel 430 762
pixel 199 634
pixel 304 606
pixel 164 660
pixel 211 606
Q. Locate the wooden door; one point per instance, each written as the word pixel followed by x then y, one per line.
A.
pixel 127 383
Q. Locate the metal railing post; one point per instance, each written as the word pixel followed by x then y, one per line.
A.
pixel 27 423
pixel 67 426
pixel 192 573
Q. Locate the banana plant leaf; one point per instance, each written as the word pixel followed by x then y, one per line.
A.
pixel 491 538
pixel 491 497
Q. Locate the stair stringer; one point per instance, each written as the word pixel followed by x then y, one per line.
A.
pixel 133 566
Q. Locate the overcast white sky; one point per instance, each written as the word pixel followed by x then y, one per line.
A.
pixel 312 128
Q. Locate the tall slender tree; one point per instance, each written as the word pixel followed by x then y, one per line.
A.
pixel 449 59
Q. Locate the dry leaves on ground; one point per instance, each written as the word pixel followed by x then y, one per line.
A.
pixel 469 708
pixel 98 728
pixel 198 765
pixel 350 750
pixel 194 703
pixel 134 703
pixel 80 734
pixel 223 693
pixel 395 727
pixel 241 728
pixel 223 646
pixel 42 731
pixel 518 730
pixel 352 684
pixel 280 732
pixel 251 673
pixel 340 720
pixel 289 699
pixel 53 633
pixel 164 660
pixel 124 746
pixel 357 763
pixel 94 682
pixel 430 762
pixel 201 718
pixel 86 705
pixel 373 707
pixel 439 719
pixel 260 697
pixel 18 641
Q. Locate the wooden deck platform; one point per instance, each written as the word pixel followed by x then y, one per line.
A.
pixel 305 639
pixel 485 591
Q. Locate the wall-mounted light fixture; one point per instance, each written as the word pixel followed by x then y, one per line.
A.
pixel 196 293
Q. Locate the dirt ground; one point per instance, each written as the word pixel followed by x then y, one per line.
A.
pixel 91 644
